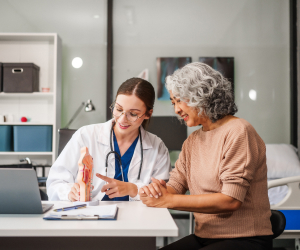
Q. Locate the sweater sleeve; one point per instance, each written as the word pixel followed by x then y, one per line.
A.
pixel 178 175
pixel 240 157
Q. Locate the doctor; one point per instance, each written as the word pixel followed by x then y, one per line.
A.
pixel 143 155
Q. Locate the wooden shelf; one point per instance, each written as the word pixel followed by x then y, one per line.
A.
pixel 34 37
pixel 25 123
pixel 34 94
pixel 26 153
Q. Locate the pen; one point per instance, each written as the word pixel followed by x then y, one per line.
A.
pixel 70 208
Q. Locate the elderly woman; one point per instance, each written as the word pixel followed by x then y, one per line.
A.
pixel 222 164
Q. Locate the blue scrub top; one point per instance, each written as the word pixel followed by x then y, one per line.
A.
pixel 125 159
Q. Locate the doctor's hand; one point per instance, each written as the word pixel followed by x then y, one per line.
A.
pixel 115 188
pixel 74 193
pixel 162 201
pixel 153 189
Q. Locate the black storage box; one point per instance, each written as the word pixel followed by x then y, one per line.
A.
pixel 1 78
pixel 20 77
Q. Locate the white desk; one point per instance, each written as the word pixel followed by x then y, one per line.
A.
pixel 289 234
pixel 135 228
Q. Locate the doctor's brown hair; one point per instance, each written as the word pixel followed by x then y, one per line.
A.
pixel 141 89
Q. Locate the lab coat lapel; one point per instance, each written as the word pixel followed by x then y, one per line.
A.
pixel 104 139
pixel 134 166
pixel 135 161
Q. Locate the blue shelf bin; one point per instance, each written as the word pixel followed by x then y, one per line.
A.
pixel 6 138
pixel 33 138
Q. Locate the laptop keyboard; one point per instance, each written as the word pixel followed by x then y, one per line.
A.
pixel 46 207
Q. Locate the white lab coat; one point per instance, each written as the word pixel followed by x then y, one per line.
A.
pixel 63 173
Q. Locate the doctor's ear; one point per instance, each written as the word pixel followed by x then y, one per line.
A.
pixel 149 114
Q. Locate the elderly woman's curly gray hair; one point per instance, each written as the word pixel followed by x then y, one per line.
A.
pixel 203 88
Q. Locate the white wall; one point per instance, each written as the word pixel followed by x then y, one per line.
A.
pixel 82 36
pixel 254 32
pixel 12 21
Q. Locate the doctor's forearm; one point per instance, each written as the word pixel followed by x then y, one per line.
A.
pixel 205 203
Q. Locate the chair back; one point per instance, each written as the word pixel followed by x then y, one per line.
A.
pixel 44 196
pixel 65 135
pixel 21 165
pixel 278 222
pixel 168 128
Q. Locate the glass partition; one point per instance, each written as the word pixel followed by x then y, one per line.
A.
pixel 255 33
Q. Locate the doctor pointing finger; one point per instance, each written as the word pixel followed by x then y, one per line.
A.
pixel 125 155
pixel 115 188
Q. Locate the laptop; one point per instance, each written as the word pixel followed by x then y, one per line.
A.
pixel 19 192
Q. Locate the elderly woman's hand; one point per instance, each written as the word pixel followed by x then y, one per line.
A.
pixel 153 189
pixel 161 201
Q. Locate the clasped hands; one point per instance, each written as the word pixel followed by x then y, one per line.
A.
pixel 155 194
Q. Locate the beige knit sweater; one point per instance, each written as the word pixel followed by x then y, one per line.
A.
pixel 230 159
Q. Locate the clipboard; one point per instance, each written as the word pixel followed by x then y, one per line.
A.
pixel 80 216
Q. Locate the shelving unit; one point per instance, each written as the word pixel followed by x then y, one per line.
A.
pixel 34 94
pixel 43 108
pixel 24 123
pixel 26 153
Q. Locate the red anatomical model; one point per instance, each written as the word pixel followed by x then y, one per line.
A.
pixel 85 174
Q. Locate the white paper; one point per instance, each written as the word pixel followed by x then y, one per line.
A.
pixel 108 211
